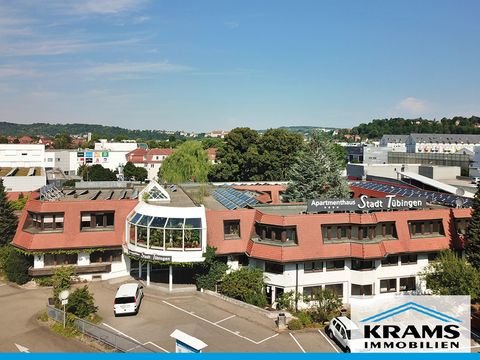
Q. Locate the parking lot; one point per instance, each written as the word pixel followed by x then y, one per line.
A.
pixel 224 327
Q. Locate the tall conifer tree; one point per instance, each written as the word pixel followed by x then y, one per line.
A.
pixel 472 248
pixel 317 173
pixel 8 219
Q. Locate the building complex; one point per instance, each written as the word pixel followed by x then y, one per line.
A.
pixel 375 243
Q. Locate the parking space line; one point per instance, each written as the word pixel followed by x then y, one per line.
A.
pixel 236 333
pixel 153 344
pixel 329 341
pixel 300 346
pixel 219 321
pixel 131 338
pixel 268 338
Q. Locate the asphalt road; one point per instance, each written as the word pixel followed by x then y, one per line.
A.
pixel 224 327
pixel 20 308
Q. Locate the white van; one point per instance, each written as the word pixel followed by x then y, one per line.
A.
pixel 128 299
pixel 341 329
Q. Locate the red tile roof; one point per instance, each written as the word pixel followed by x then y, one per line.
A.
pixel 72 237
pixel 309 235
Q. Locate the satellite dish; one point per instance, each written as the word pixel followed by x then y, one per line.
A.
pixel 459 202
pixel 460 192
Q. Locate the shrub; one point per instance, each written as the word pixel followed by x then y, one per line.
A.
pixel 295 324
pixel 61 281
pixel 325 305
pixel 81 303
pixel 286 301
pixel 304 318
pixel 4 253
pixel 44 281
pixel 16 267
pixel 43 316
pixel 246 285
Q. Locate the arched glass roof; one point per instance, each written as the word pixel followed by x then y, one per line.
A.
pixel 165 223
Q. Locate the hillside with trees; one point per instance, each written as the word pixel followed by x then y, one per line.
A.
pixel 399 126
pixel 101 131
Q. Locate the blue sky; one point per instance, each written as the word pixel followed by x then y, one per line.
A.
pixel 205 65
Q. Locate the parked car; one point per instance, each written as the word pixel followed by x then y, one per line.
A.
pixel 475 180
pixel 341 329
pixel 128 299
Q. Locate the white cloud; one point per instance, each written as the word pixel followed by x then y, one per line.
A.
pixel 55 47
pixel 231 24
pixel 413 106
pixel 136 67
pixel 140 19
pixel 107 6
pixel 8 71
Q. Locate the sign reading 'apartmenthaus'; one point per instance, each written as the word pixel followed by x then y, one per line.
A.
pixel 364 203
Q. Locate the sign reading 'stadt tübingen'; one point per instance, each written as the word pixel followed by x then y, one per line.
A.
pixel 364 203
pixel 153 257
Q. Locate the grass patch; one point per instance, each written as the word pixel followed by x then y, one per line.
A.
pixel 43 316
pixel 68 331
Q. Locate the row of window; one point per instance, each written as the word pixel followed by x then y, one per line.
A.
pixel 107 256
pixel 54 222
pixel 346 232
pixel 357 264
pixel 343 232
pixel 386 286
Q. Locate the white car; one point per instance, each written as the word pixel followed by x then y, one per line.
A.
pixel 128 299
pixel 341 329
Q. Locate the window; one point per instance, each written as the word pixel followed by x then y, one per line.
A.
pixel 363 233
pixel 336 289
pixel 39 222
pixel 311 266
pixel 362 290
pixel 311 290
pixel 408 259
pixel 358 264
pixel 335 265
pixel 426 228
pixel 461 225
pixel 408 284
pixel 432 256
pixel 388 285
pixel 231 229
pixel 97 220
pixel 60 259
pixel 106 256
pixel 277 234
pixel 391 260
pixel 273 268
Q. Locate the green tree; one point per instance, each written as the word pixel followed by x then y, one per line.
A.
pixel 3 140
pixel 96 173
pixel 16 267
pixel 246 284
pixel 211 271
pixel 278 149
pixel 325 305
pixel 130 171
pixel 62 141
pixel 472 247
pixel 317 173
pixel 19 204
pixel 81 303
pixel 451 275
pixel 188 163
pixel 62 277
pixel 234 157
pixel 8 219
pixel 209 142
